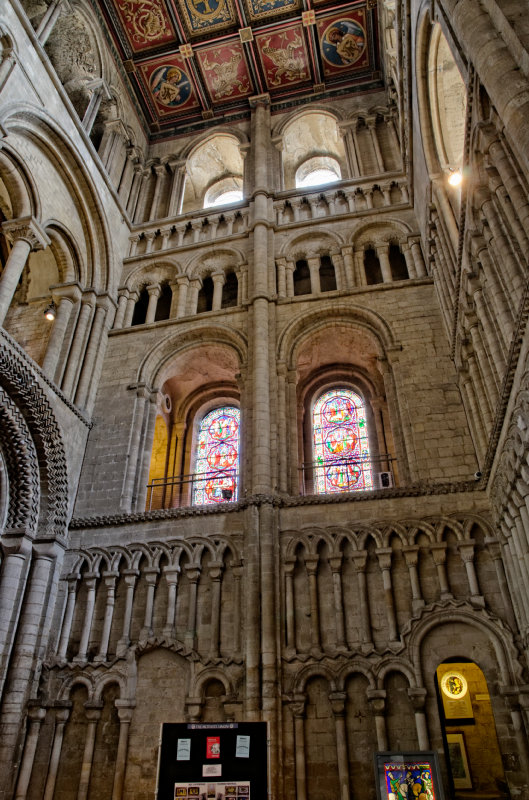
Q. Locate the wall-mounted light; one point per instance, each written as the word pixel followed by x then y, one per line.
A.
pixel 455 177
pixel 50 312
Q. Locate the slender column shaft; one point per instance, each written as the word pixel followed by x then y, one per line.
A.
pixel 336 567
pixel 215 574
pixel 360 563
pixel 68 617
pixel 439 557
pixel 11 274
pixel 218 282
pixel 58 735
pixel 93 715
pixel 36 717
pixel 290 564
pixel 171 576
pixel 90 356
pixel 337 704
pixel 110 582
pixel 150 575
pixel 384 560
pixel 56 340
pixel 154 294
pixel 129 578
pixel 125 718
pixel 311 563
pixel 299 737
pixel 90 579
pixel 74 356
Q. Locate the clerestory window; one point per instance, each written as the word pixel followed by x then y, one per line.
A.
pixel 216 472
pixel 341 455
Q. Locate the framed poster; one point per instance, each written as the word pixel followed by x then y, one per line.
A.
pixel 458 761
pixel 213 761
pixel 400 776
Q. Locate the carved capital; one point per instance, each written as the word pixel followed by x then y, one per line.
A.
pixel 28 229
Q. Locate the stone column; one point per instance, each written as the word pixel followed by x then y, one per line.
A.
pixel 176 193
pixel 36 716
pixel 289 566
pixel 132 299
pixel 314 268
pixel 347 254
pixel 416 251
pixel 410 261
pixel 154 294
pixel 494 550
pixel 160 173
pixel 439 557
pixel 337 700
pixel 356 147
pixel 171 576
pixel 411 555
pixel 93 714
pixel 137 182
pixel 418 699
pixel 384 562
pixel 65 299
pixel 92 351
pixel 298 711
pixel 25 235
pixel 335 563
pixel 61 717
pixel 281 264
pixel 183 285
pixel 194 288
pixel 215 575
pixel 238 572
pixel 311 564
pixel 74 359
pixel 339 270
pixel 127 176
pixel 466 551
pixel 125 711
pixel 100 91
pixel 48 21
pixel 377 702
pixel 90 579
pixel 15 568
pixel 359 559
pixel 218 279
pixel 68 615
pixel 371 123
pixel 150 574
pixel 122 308
pixel 290 268
pixel 134 456
pixel 350 150
pixel 193 575
pixel 109 579
pixel 130 577
pixel 383 257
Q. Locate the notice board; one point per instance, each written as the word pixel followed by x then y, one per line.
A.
pixel 213 761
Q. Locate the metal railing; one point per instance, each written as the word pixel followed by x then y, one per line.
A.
pixel 193 489
pixel 353 474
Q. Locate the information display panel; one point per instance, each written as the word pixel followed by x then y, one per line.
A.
pixel 213 761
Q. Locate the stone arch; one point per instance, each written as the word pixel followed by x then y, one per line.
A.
pixel 22 190
pixel 394 664
pixel 292 336
pixel 16 377
pixel 310 244
pixel 222 260
pixel 304 675
pixel 176 343
pixel 208 674
pixel 383 231
pixel 37 127
pixel 493 628
pixel 153 273
pixel 71 681
pixel 357 666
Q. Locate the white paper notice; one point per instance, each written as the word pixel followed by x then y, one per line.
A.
pixel 211 770
pixel 183 750
pixel 242 749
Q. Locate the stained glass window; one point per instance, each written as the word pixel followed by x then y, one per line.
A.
pixel 341 446
pixel 216 477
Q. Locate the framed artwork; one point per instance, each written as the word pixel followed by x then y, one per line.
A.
pixel 458 761
pixel 401 776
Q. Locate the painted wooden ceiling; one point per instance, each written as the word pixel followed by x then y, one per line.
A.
pixel 192 62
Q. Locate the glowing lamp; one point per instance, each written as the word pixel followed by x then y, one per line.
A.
pixel 50 312
pixel 455 177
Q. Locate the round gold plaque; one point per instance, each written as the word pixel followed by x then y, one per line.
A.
pixel 454 685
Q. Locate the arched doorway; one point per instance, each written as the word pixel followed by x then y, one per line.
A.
pixel 473 757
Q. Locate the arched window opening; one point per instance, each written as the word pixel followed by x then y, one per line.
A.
pixel 205 295
pixel 469 731
pixel 397 262
pixel 318 171
pixel 302 278
pixel 327 274
pixel 229 291
pixel 216 472
pixel 224 192
pixel 372 267
pixel 163 306
pixel 140 308
pixel 341 453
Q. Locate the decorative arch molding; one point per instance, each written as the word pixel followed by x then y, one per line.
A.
pixel 222 130
pixel 384 231
pixel 185 339
pixel 222 260
pixel 37 125
pixel 307 245
pixel 153 273
pixel 398 664
pixel 300 680
pixel 330 111
pixel 18 381
pixel 304 325
pixel 207 675
pixel 449 611
pixel 22 190
pixel 22 469
pixel 65 250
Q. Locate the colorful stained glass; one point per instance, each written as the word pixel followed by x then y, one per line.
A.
pixel 341 445
pixel 409 780
pixel 217 457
